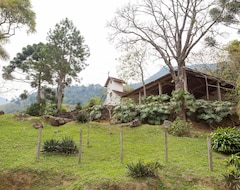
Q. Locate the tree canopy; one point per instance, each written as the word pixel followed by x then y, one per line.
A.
pixel 33 63
pixel 14 14
pixel 68 54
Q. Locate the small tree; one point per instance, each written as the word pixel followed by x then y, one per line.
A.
pixel 133 64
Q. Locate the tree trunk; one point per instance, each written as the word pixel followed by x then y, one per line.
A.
pixel 39 92
pixel 179 85
pixel 60 95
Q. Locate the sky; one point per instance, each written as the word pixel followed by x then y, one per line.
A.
pixel 90 17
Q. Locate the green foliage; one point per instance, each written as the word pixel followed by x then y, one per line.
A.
pixel 141 169
pixel 68 54
pixel 35 109
pixel 96 112
pixel 226 140
pixel 51 146
pixel 181 99
pixel 93 102
pixel 125 113
pixel 154 112
pixel 82 117
pixel 212 111
pixel 78 106
pixel 232 175
pixel 158 108
pixel 65 146
pixel 179 128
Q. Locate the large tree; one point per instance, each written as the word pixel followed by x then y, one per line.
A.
pixel 14 14
pixel 68 55
pixel 33 64
pixel 173 28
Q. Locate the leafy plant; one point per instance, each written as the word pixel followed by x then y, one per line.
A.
pixel 232 176
pixel 226 140
pixel 125 113
pixel 66 146
pixel 179 128
pixel 82 118
pixel 96 112
pixel 212 111
pixel 51 146
pixel 141 169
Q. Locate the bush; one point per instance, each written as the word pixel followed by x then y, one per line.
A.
pixel 179 128
pixel 82 118
pixel 140 169
pixel 66 146
pixel 226 140
pixel 232 176
pixel 34 109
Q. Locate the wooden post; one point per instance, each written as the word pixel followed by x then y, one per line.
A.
pixel 219 92
pixel 166 144
pixel 88 138
pixel 139 97
pixel 121 147
pixel 207 91
pixel 80 148
pixel 159 88
pixel 210 153
pixel 39 142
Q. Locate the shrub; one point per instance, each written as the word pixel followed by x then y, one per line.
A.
pixel 96 112
pixel 51 146
pixel 66 146
pixel 232 176
pixel 226 140
pixel 141 169
pixel 179 128
pixel 82 118
pixel 212 111
pixel 34 109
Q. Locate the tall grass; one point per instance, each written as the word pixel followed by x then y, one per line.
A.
pixel 187 165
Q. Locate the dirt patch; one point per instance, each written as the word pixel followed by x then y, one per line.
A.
pixel 132 186
pixel 23 180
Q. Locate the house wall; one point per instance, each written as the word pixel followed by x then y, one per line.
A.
pixel 115 86
pixel 112 98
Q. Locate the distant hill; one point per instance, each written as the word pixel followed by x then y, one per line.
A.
pixel 3 101
pixel 72 95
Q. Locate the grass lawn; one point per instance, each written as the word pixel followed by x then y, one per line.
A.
pixel 187 166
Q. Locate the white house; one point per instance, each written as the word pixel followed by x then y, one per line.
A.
pixel 114 91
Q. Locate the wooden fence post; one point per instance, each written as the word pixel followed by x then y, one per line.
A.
pixel 209 141
pixel 80 148
pixel 166 144
pixel 88 137
pixel 39 142
pixel 121 147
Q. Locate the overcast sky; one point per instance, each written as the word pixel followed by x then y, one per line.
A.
pixel 90 17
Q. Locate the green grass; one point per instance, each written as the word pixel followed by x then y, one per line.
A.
pixel 187 166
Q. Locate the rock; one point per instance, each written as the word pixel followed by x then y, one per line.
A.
pixel 166 123
pixel 56 121
pixel 37 125
pixel 135 123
